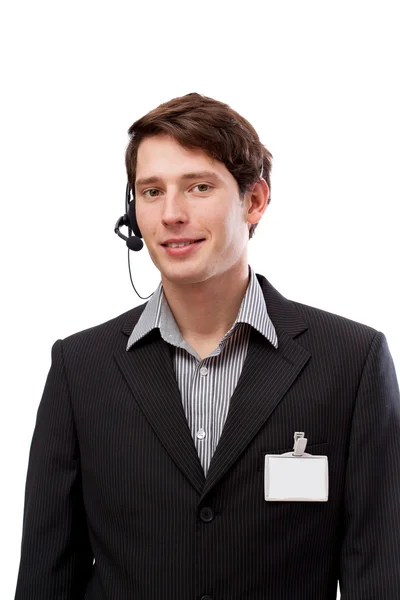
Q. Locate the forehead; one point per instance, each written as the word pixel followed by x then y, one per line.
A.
pixel 164 153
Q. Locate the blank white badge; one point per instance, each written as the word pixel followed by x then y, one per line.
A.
pixel 296 478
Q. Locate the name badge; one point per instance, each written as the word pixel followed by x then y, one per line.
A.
pixel 296 476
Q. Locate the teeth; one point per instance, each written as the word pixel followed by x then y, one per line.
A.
pixel 179 245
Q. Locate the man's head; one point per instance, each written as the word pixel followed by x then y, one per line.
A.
pixel 192 135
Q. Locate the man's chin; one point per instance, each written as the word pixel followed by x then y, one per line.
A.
pixel 179 275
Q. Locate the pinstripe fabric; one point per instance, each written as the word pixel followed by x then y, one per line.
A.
pixel 114 475
pixel 207 385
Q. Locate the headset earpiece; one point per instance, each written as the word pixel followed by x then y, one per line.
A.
pixel 132 218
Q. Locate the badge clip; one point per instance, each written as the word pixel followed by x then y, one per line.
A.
pixel 300 443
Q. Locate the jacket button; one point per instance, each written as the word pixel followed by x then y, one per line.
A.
pixel 206 515
pixel 206 598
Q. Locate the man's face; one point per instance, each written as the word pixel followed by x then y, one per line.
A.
pixel 195 207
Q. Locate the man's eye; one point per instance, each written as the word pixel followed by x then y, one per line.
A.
pixel 196 186
pixel 151 190
pixel 203 184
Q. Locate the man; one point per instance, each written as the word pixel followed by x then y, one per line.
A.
pixel 147 474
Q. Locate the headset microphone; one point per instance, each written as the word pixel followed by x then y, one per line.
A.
pixel 134 242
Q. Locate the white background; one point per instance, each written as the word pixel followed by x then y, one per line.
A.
pixel 318 80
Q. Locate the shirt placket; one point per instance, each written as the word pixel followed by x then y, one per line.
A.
pixel 203 427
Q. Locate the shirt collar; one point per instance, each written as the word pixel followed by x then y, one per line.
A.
pixel 157 314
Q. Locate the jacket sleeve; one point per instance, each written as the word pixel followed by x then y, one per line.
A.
pixel 370 556
pixel 56 557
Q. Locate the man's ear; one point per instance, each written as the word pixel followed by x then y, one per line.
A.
pixel 258 201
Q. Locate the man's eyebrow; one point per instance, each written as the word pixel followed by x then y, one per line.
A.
pixel 196 175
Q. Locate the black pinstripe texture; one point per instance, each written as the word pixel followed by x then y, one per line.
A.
pixel 114 474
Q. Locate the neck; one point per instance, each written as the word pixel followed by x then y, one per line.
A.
pixel 209 308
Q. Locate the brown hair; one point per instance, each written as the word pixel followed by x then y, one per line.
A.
pixel 199 122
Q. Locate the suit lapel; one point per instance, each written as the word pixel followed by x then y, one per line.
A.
pixel 148 369
pixel 266 376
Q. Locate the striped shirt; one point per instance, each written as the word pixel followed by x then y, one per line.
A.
pixel 206 385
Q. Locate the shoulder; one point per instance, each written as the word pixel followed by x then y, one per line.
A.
pixel 312 324
pixel 323 320
pixel 103 338
pixel 333 334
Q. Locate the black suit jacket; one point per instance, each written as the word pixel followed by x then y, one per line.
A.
pixel 114 476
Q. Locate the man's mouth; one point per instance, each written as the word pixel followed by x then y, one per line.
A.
pixel 172 245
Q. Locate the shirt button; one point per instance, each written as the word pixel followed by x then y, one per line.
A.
pixel 201 434
pixel 203 371
pixel 206 514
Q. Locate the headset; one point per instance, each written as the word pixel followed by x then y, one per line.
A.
pixel 135 242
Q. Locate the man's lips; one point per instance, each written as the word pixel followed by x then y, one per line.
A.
pixel 192 241
pixel 183 250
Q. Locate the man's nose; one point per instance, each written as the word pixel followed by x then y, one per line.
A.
pixel 175 207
